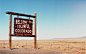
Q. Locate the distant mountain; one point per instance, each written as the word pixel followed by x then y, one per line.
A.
pixel 83 37
pixel 79 38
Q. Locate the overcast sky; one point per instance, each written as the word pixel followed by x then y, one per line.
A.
pixel 55 18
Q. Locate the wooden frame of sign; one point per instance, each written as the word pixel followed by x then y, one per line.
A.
pixel 23 35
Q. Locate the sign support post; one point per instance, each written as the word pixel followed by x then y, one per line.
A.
pixel 35 30
pixel 10 31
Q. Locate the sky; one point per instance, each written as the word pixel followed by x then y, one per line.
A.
pixel 55 18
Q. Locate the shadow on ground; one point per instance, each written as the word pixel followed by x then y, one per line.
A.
pixel 14 48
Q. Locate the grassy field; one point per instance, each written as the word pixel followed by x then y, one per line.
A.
pixel 73 46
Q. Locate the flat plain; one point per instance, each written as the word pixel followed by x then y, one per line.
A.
pixel 72 46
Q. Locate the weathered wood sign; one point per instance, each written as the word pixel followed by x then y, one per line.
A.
pixel 23 26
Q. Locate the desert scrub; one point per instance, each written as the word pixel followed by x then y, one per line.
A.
pixel 58 46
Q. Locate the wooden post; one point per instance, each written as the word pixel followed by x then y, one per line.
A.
pixel 35 30
pixel 9 31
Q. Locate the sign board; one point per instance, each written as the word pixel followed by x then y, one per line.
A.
pixel 23 26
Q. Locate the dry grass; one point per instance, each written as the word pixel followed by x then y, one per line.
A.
pixel 73 46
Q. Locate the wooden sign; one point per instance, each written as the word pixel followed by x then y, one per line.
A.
pixel 23 26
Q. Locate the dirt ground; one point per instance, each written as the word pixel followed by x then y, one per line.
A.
pixel 72 46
